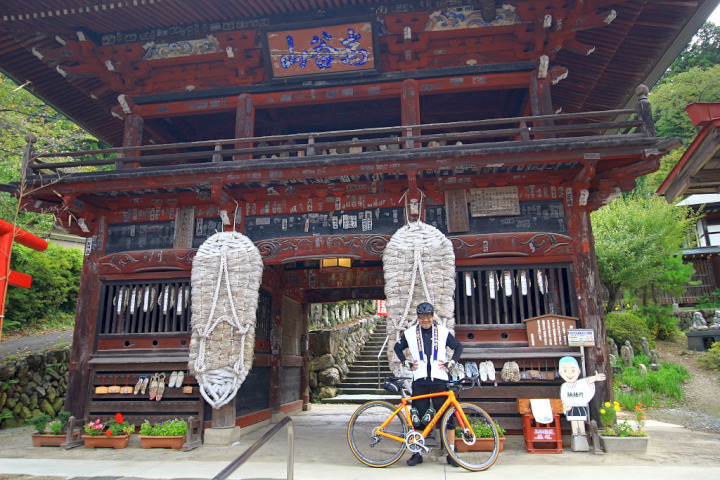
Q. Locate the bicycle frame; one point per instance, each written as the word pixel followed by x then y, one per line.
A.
pixel 450 401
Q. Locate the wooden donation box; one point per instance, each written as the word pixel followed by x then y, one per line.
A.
pixel 549 330
pixel 540 437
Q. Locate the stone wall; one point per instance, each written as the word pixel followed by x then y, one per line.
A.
pixel 332 351
pixel 685 316
pixel 32 384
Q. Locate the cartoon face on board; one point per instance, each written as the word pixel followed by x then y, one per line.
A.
pixel 569 371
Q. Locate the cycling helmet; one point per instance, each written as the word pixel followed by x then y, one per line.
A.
pixel 425 308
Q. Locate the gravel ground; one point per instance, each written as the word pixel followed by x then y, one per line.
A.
pixel 700 409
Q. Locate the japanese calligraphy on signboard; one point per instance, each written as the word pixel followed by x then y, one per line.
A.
pixel 327 49
pixel 457 212
pixel 488 202
pixel 549 330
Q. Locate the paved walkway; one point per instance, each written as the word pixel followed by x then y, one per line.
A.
pixel 321 453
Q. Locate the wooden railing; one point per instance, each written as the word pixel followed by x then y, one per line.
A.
pixel 340 142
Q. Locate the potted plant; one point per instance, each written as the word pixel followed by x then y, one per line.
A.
pixel 168 434
pixel 623 437
pixel 483 438
pixel 50 432
pixel 113 434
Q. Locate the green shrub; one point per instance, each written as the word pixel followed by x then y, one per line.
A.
pixel 712 301
pixel 711 359
pixel 626 326
pixel 659 320
pixel 39 422
pixel 169 428
pixel 654 389
pixel 55 284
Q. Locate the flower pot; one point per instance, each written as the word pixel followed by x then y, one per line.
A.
pixel 624 444
pixel 481 444
pixel 175 441
pixel 103 441
pixel 47 440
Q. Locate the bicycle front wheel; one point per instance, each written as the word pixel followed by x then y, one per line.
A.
pixel 471 457
pixel 362 433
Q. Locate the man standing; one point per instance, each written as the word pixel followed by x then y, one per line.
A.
pixel 427 342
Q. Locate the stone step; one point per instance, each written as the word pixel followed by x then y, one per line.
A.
pixel 362 398
pixel 362 391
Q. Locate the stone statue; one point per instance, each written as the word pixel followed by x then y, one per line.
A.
pixel 645 346
pixel 698 323
pixel 630 347
pixel 613 348
pixel 643 369
pixel 626 355
pixel 715 321
pixel 654 360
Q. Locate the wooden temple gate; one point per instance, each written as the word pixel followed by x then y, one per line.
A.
pixel 449 123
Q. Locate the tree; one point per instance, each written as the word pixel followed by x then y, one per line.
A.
pixel 703 51
pixel 635 235
pixel 670 98
pixel 21 114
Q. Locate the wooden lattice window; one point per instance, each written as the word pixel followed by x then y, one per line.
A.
pixel 501 295
pixel 161 306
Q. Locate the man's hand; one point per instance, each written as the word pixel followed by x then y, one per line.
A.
pixel 411 365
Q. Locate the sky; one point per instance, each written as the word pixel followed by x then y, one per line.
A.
pixel 715 16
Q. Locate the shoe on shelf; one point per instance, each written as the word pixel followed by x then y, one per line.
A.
pixel 429 414
pixel 180 378
pixel 451 461
pixel 160 387
pixel 139 385
pixel 490 370
pixel 415 459
pixel 144 385
pixel 154 386
pixel 173 379
pixel 483 372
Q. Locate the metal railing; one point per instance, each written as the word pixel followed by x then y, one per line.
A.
pixel 382 349
pixel 245 456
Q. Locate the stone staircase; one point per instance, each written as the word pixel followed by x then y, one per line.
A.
pixel 361 383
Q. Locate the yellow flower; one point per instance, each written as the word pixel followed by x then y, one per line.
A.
pixel 602 410
pixel 607 405
pixel 617 408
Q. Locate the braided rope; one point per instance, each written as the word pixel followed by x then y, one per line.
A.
pixel 226 276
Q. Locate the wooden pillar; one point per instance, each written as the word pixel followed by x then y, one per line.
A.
pixel 410 110
pixel 85 323
pixel 224 417
pixel 244 123
pixel 305 349
pixel 541 102
pixel 588 292
pixel 132 136
pixel 276 341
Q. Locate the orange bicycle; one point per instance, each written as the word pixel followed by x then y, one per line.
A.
pixel 379 432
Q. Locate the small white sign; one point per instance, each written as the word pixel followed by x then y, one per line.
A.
pixel 581 337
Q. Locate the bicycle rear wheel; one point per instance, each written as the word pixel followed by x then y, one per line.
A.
pixel 469 456
pixel 370 448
